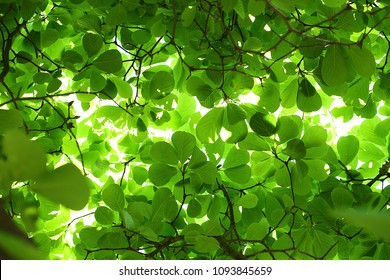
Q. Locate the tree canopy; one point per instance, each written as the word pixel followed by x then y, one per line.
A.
pixel 194 129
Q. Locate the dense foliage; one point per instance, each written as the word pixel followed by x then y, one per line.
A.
pixel 194 129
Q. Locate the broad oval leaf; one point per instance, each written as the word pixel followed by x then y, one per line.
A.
pixel 362 60
pixel 184 144
pixel 239 174
pixel 235 113
pixel 209 126
pixel 160 173
pixel 347 147
pixel 104 215
pixel 110 61
pixel 264 125
pixel 92 43
pixel 248 201
pixel 334 66
pixel 114 197
pixel 295 149
pixel 64 185
pixel 163 152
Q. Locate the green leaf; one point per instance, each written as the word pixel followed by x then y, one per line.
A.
pixel 239 174
pixel 54 85
pixel 194 208
pixel 49 37
pixel 113 240
pixel 188 15
pixel 273 210
pixel 123 87
pixel 104 215
pixel 164 153
pixel 10 120
pixel 269 96
pixel 228 5
pixel 342 198
pixel 264 125
pixel 289 95
pixel 18 248
pixel 41 77
pixel 235 113
pixel 197 87
pixel 71 57
pixel 362 60
pixel 257 231
pixel 110 61
pixel 25 158
pixel 308 100
pixel 214 207
pixel 92 43
pixel 347 147
pixel 287 128
pixel 314 136
pixel 236 157
pixel 161 203
pixel 209 126
pixel 161 84
pixel 334 3
pixel 248 201
pixel 97 81
pixel 140 174
pixel 254 142
pixel 334 66
pixel 311 47
pixel 295 149
pixel 127 220
pixel 141 37
pixel 184 144
pixel 253 44
pixel 206 244
pixel 317 169
pixel 207 171
pixel 160 173
pixel 114 197
pixel 117 15
pixel 64 185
